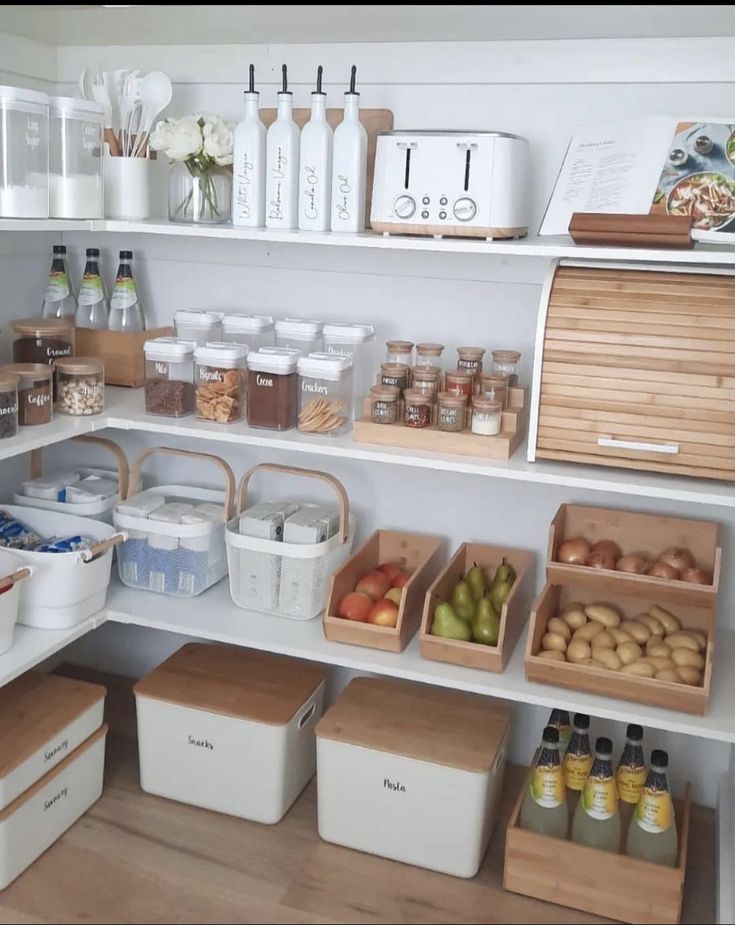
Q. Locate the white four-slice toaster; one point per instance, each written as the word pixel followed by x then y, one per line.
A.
pixel 468 184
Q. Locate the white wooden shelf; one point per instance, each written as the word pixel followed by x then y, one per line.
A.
pixel 32 646
pixel 532 246
pixel 213 616
pixel 62 427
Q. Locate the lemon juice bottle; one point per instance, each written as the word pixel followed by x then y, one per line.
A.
pixel 577 760
pixel 630 775
pixel 652 834
pixel 596 820
pixel 544 808
pixel 559 719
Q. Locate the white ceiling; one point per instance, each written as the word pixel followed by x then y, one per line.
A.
pixel 262 24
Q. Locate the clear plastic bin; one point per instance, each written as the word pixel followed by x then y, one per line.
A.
pixel 299 334
pixel 199 326
pixel 220 378
pixel 251 331
pixel 75 158
pixel 169 377
pixel 23 153
pixel 356 341
pixel 325 394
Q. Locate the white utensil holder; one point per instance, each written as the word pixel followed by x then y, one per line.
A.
pixel 127 187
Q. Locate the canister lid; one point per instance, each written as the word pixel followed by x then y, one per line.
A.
pixel 509 356
pixel 278 361
pixel 432 350
pixel 471 353
pixel 399 346
pixel 197 317
pixel 214 354
pixel 59 105
pixel 80 366
pixel 247 324
pixel 330 366
pixel 41 327
pixel 432 724
pixel 356 333
pixel 425 373
pixel 242 683
pixel 168 348
pixel 28 371
pixel 8 381
pixel 488 405
pixel 24 96
pixel 298 327
pixel 34 708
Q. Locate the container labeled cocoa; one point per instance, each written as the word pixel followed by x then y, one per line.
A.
pixel 35 392
pixel 272 391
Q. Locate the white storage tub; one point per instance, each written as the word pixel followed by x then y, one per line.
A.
pixel 67 587
pixel 286 579
pixel 412 773
pixel 43 718
pixel 45 811
pixel 12 571
pixel 229 729
pixel 176 558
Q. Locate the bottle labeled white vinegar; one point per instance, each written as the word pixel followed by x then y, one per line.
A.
pixel 544 808
pixel 349 166
pixel 248 163
pixel 282 165
pixel 315 164
pixel 652 834
pixel 596 820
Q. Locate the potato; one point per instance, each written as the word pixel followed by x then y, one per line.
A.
pixel 574 618
pixel 578 650
pixel 668 674
pixel 689 675
pixel 628 652
pixel 685 658
pixel 555 625
pixel 588 631
pixel 682 641
pixel 641 668
pixel 607 658
pixel 655 626
pixel 619 635
pixel 639 631
pixel 670 623
pixel 554 641
pixel 603 640
pixel 660 663
pixel 552 655
pixel 699 638
pixel 656 646
pixel 601 613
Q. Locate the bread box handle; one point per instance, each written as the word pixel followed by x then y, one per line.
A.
pixel 614 443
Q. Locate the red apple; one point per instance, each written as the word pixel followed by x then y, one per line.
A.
pixel 384 613
pixel 355 606
pixel 390 570
pixel 395 595
pixel 374 584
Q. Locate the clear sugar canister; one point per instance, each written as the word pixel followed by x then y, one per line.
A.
pixel 75 158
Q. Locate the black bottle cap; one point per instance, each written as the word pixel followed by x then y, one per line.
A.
pixel 635 732
pixel 93 252
pixel 126 255
pixel 659 758
pixel 603 746
pixel 551 735
pixel 581 720
pixel 59 248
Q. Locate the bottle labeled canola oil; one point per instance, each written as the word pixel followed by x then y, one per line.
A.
pixel 596 819
pixel 559 720
pixel 544 808
pixel 652 834
pixel 577 760
pixel 630 775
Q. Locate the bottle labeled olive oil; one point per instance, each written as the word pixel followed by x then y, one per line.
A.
pixel 652 834
pixel 596 819
pixel 544 808
pixel 559 720
pixel 630 775
pixel 577 760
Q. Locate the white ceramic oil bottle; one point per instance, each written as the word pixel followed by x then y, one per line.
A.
pixel 349 166
pixel 282 157
pixel 315 165
pixel 248 181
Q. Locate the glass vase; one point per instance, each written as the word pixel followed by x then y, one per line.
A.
pixel 199 196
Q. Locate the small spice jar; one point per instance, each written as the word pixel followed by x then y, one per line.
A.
pixel 273 388
pixel 452 413
pixel 395 374
pixel 81 385
pixel 198 325
pixel 506 363
pixel 399 351
pixel 169 376
pixel 384 404
pixel 470 360
pixel 35 392
pixel 325 394
pixel 416 408
pixel 429 354
pixel 487 416
pixel 8 405
pixel 219 379
pixel 459 381
pixel 426 379
pixel 42 340
pixel 494 387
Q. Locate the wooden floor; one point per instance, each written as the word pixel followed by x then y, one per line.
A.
pixel 138 858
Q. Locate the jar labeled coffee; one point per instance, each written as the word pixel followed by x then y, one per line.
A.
pixel 169 376
pixel 429 354
pixel 460 382
pixel 416 408
pixel 35 392
pixel 384 404
pixel 396 374
pixel 220 376
pixel 452 412
pixel 506 363
pixel 8 405
pixel 272 393
pixel 487 416
pixel 495 387
pixel 325 394
pixel 81 385
pixel 399 351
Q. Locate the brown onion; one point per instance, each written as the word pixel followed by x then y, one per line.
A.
pixel 678 557
pixel 663 570
pixel 574 551
pixel 696 576
pixel 608 546
pixel 635 564
pixel 600 558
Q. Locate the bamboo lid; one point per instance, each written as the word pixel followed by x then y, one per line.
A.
pixel 433 724
pixel 242 683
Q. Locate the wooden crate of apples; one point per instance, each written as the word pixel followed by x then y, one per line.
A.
pixel 377 596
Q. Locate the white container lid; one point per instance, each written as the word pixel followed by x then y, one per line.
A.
pixel 324 366
pixel 198 317
pixel 213 354
pixel 281 362
pixel 301 328
pixel 247 324
pixel 354 333
pixel 24 96
pixel 169 348
pixel 61 105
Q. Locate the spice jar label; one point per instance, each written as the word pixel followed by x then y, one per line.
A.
pixel 57 287
pixel 90 292
pixel 124 295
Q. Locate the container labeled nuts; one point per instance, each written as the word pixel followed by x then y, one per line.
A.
pixel 81 385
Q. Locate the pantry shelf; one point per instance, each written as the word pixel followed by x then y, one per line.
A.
pixel 63 427
pixel 32 646
pixel 213 616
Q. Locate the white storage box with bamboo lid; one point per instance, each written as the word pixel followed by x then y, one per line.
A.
pixel 229 729
pixel 412 773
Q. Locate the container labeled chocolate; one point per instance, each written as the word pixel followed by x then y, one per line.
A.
pixel 273 388
pixel 35 392
pixel 81 385
pixel 220 379
pixel 325 394
pixel 8 405
pixel 169 376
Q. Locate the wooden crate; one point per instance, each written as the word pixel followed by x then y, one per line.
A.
pixel 512 617
pixel 418 554
pixel 667 694
pixel 121 351
pixel 647 534
pixel 501 446
pixel 600 882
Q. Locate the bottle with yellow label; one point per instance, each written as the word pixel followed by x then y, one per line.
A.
pixel 559 719
pixel 596 819
pixel 652 835
pixel 630 775
pixel 577 760
pixel 544 808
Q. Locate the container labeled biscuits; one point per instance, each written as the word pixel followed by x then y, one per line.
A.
pixel 220 380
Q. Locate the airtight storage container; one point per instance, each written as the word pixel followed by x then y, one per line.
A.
pixel 412 773
pixel 75 158
pixel 251 331
pixel 229 729
pixel 23 153
pixel 356 341
pixel 199 326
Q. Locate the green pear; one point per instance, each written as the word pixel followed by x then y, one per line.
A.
pixel 501 585
pixel 476 580
pixel 486 623
pixel 462 601
pixel 446 623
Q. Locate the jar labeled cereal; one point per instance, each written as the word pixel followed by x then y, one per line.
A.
pixel 81 385
pixel 452 413
pixel 384 404
pixel 219 378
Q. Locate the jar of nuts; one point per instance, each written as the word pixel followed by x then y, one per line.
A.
pixel 81 385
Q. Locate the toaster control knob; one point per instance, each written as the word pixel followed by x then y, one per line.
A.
pixel 465 209
pixel 404 206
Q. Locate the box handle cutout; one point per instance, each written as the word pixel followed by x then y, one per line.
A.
pixel 307 716
pixel 616 444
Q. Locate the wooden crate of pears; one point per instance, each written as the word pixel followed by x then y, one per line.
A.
pixel 476 609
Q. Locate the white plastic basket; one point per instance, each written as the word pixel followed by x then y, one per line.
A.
pixel 99 510
pixel 67 587
pixel 12 572
pixel 286 579
pixel 171 558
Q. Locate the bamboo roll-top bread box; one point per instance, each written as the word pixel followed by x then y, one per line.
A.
pixel 635 367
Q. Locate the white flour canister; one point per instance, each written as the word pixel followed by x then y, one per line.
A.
pixel 412 773
pixel 229 729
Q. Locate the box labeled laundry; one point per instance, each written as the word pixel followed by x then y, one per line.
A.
pixel 412 773
pixel 41 814
pixel 229 729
